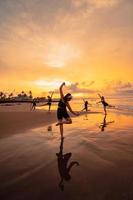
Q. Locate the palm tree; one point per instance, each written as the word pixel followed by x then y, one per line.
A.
pixel 22 93
pixel 1 94
pixel 30 94
pixel 10 95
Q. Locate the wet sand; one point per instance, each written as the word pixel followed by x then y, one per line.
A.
pixel 18 118
pixel 103 147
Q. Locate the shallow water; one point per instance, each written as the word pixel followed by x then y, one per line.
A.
pixel 103 147
pixel 121 104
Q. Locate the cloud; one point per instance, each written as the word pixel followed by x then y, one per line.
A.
pixel 77 88
pixel 112 88
pixel 3 67
pixel 95 3
pixel 88 84
pixel 105 3
pixel 119 88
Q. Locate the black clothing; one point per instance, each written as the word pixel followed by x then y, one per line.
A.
pixel 62 110
pixel 49 101
pixel 104 103
pixel 34 103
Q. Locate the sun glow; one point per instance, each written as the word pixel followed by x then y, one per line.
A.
pixel 49 84
pixel 60 54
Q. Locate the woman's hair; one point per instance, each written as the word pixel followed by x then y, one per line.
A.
pixel 67 97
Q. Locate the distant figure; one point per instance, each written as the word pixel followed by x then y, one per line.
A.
pixel 62 109
pixel 104 124
pixel 50 101
pixel 104 103
pixel 85 105
pixel 50 128
pixel 63 166
pixel 33 106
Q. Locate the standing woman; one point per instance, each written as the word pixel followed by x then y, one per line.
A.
pixel 62 109
pixel 85 105
pixel 50 101
pixel 104 103
pixel 33 106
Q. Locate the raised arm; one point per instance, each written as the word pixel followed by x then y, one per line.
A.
pixel 72 164
pixel 99 96
pixel 52 94
pixel 61 90
pixel 83 100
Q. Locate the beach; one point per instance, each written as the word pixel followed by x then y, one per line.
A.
pixel 18 119
pixel 30 146
pixel 66 100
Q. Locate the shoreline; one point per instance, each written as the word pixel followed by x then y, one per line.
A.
pixel 18 121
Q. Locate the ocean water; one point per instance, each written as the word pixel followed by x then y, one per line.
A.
pixel 124 105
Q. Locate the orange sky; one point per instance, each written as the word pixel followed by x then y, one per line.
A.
pixel 87 43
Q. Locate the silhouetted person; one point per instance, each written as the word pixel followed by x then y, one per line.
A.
pixel 50 100
pixel 104 103
pixel 33 106
pixel 85 105
pixel 62 109
pixel 63 166
pixel 104 124
pixel 50 128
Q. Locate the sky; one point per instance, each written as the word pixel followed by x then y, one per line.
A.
pixel 86 43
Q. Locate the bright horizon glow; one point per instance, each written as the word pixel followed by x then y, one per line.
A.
pixel 51 84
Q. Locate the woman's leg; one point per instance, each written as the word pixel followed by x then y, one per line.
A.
pixel 105 110
pixel 61 127
pixel 61 130
pixel 68 121
pixel 110 106
pixel 31 107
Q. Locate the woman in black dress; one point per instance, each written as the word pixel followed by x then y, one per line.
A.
pixel 104 103
pixel 50 101
pixel 62 109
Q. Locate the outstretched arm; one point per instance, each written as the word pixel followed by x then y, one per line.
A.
pixel 61 90
pixel 70 109
pixel 98 102
pixel 72 164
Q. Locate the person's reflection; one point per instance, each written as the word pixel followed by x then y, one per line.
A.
pixel 104 124
pixel 49 128
pixel 63 166
pixel 85 117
